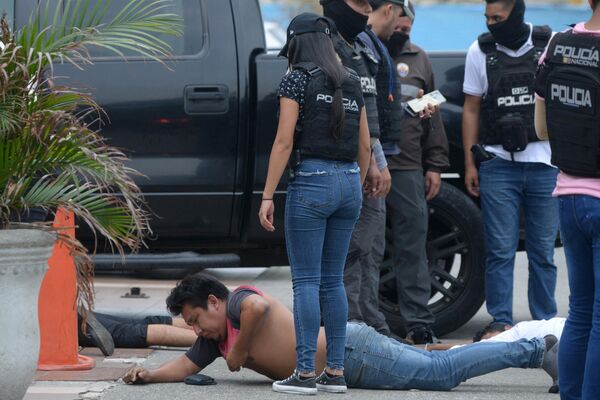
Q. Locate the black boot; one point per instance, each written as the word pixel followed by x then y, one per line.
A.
pixel 95 335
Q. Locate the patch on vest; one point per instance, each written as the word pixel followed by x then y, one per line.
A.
pixel 403 70
pixel 369 85
pixel 583 56
pixel 571 96
pixel 349 104
pixel 520 97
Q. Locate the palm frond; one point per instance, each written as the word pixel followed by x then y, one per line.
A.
pixel 49 155
pixel 10 118
pixel 101 211
pixel 91 171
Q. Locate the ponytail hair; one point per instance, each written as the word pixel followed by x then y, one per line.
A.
pixel 317 48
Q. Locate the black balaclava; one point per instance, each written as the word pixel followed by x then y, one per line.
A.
pixel 514 32
pixel 349 23
pixel 397 43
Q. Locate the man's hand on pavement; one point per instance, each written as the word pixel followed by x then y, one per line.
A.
pixel 433 182
pixel 137 375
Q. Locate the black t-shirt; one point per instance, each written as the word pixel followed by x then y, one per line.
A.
pixel 205 351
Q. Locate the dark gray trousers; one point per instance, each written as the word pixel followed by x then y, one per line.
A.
pixel 408 213
pixel 361 273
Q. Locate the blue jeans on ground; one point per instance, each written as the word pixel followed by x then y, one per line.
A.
pixel 374 361
pixel 322 207
pixel 506 188
pixel 579 352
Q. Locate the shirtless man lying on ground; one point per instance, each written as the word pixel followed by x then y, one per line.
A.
pixel 251 329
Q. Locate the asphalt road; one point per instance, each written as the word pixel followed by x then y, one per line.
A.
pixel 247 385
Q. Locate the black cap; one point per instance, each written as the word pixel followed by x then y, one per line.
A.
pixel 307 23
pixel 408 11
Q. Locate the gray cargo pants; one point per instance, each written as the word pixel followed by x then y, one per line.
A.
pixel 408 213
pixel 361 273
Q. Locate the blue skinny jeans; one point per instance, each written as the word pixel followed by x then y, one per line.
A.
pixel 322 206
pixel 579 352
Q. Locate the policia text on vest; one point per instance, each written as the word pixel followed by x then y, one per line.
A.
pixel 360 59
pixel 349 104
pixel 507 113
pixel 569 80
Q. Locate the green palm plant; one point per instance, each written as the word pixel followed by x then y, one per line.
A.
pixel 50 154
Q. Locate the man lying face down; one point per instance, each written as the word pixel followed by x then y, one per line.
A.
pixel 253 330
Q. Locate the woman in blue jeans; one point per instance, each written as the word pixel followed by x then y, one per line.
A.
pixel 574 137
pixel 323 121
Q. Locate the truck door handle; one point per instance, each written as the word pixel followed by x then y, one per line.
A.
pixel 200 99
pixel 206 96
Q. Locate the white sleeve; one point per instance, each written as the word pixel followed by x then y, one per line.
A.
pixel 475 83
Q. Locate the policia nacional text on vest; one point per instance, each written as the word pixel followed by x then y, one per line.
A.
pixel 507 112
pixel 313 135
pixel 569 81
pixel 389 94
pixel 361 60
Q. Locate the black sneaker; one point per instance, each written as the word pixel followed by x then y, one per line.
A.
pixel 422 335
pixel 295 384
pixel 331 383
pixel 98 335
pixel 550 363
pixel 554 389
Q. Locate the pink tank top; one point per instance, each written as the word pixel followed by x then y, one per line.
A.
pixel 232 333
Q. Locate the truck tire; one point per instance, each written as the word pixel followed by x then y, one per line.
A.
pixel 455 251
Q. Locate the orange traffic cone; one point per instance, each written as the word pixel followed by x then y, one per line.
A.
pixel 58 307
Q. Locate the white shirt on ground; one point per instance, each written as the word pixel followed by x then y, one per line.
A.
pixel 530 330
pixel 476 84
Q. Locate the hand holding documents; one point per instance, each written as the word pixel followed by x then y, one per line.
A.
pixel 415 106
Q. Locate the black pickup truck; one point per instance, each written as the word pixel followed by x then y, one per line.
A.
pixel 201 133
